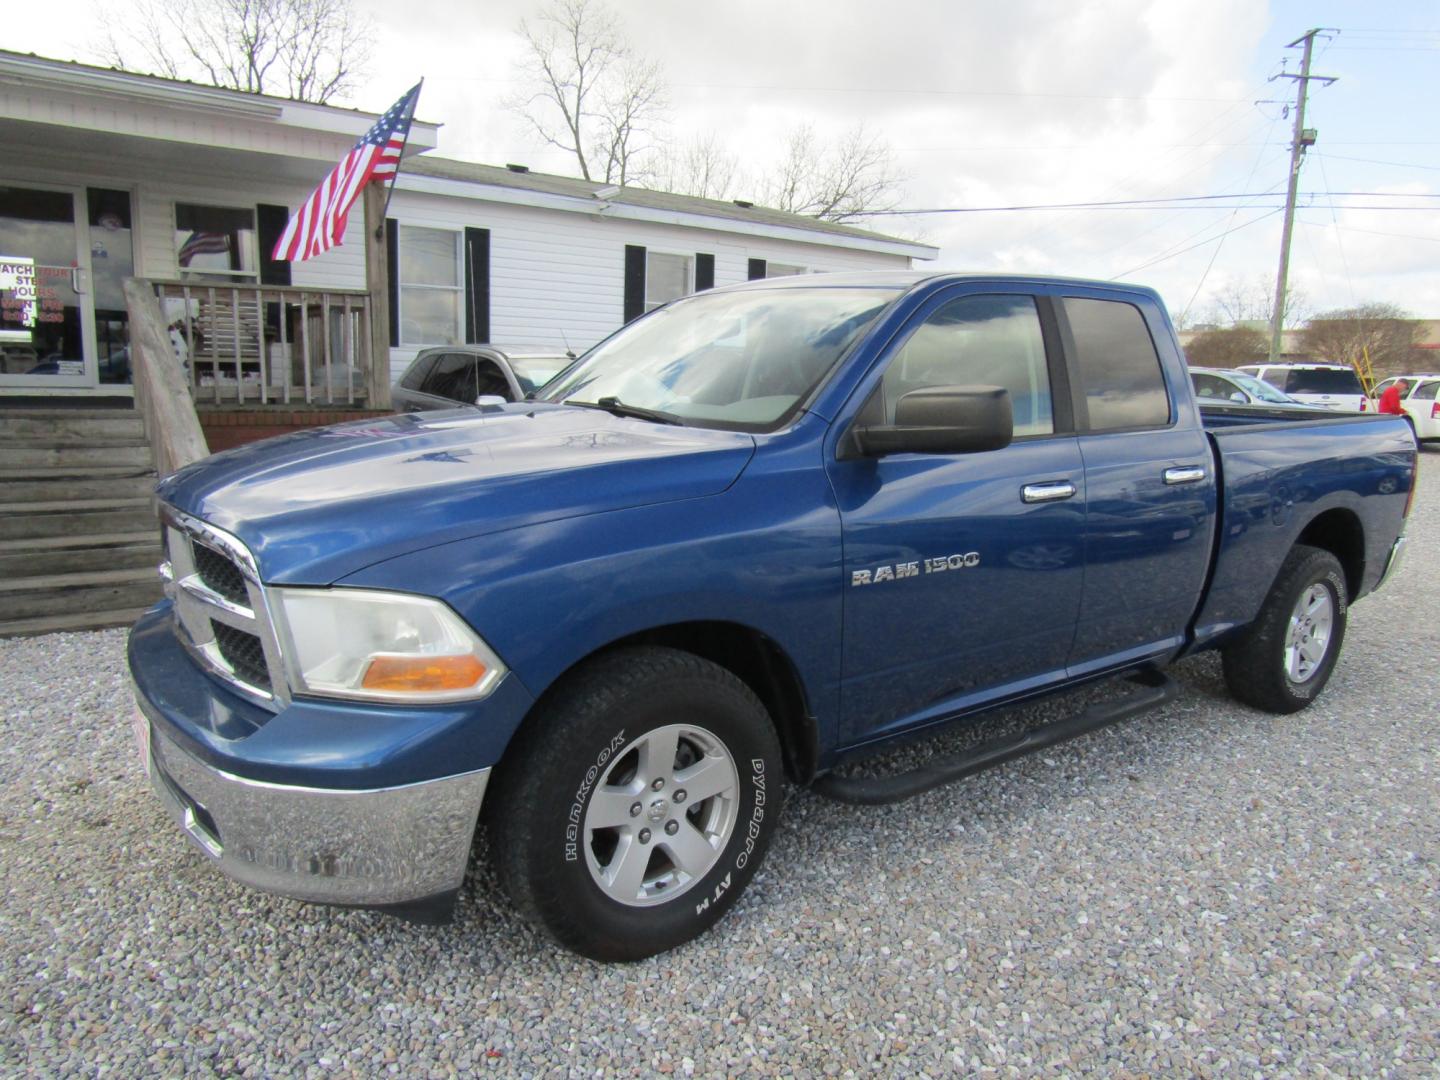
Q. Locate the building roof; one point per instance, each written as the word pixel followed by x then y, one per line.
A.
pixel 72 76
pixel 735 210
pixel 102 86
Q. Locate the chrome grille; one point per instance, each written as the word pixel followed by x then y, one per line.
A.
pixel 220 574
pixel 244 653
pixel 221 611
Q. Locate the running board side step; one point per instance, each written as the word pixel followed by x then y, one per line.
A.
pixel 1153 688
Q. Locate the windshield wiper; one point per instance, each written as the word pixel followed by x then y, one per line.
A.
pixel 615 407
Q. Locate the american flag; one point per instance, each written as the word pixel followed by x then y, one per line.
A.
pixel 203 243
pixel 319 224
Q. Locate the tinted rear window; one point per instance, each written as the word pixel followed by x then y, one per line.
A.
pixel 415 377
pixel 1118 366
pixel 1322 381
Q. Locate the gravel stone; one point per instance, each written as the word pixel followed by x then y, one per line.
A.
pixel 1203 891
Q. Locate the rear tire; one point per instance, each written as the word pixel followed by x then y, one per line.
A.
pixel 637 804
pixel 1283 660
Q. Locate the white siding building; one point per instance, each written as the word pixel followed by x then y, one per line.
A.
pixel 106 175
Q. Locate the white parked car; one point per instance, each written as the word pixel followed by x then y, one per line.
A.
pixel 1219 384
pixel 1418 399
pixel 1331 386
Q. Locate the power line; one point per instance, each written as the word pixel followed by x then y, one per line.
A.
pixel 1202 243
pixel 1371 232
pixel 1213 128
pixel 1373 161
pixel 1161 203
pixel 1221 244
pixel 1339 243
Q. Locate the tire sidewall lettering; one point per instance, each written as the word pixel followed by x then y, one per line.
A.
pixel 757 814
pixel 576 814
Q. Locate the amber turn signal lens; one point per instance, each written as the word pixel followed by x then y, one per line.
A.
pixel 423 674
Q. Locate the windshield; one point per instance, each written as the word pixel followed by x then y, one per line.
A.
pixel 734 359
pixel 1259 388
pixel 533 372
pixel 1323 381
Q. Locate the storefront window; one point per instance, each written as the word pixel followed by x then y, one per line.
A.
pixel 215 242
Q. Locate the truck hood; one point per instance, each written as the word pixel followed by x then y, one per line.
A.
pixel 318 505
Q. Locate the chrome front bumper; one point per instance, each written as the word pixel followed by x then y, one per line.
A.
pixel 370 848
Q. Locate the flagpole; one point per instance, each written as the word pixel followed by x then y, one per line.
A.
pixel 400 162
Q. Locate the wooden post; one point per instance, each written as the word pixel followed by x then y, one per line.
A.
pixel 162 389
pixel 377 281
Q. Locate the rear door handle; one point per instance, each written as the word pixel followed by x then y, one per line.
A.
pixel 1184 474
pixel 1047 492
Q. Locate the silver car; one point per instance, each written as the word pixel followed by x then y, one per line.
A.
pixel 445 376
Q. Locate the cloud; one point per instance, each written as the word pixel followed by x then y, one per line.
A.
pixel 1029 101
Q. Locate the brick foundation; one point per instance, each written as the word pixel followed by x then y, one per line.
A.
pixel 226 428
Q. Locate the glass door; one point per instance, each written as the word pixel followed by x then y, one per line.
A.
pixel 47 317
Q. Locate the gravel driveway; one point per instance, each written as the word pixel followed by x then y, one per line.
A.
pixel 1202 891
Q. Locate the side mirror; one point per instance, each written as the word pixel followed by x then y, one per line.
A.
pixel 492 399
pixel 1236 395
pixel 943 420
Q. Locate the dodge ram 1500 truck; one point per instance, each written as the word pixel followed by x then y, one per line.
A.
pixel 752 536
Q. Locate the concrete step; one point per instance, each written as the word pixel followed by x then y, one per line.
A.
pixel 42 455
pixel 78 518
pixel 77 593
pixel 55 624
pixel 43 489
pixel 15 427
pixel 70 554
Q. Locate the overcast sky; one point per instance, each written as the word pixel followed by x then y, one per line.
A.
pixel 986 104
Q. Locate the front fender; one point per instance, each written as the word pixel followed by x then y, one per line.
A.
pixel 764 554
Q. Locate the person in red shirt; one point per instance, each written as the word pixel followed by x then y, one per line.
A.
pixel 1390 399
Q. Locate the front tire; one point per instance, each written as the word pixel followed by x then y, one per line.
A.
pixel 637 803
pixel 1284 659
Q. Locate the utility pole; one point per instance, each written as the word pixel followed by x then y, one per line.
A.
pixel 1301 138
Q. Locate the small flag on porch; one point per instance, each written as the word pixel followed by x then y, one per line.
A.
pixel 204 243
pixel 319 224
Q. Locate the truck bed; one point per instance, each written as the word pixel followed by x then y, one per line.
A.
pixel 1280 476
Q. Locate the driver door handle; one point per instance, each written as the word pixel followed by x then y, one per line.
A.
pixel 1184 474
pixel 1047 492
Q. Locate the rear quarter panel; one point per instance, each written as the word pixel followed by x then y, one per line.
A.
pixel 1280 476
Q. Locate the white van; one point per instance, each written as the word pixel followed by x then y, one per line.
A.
pixel 1331 386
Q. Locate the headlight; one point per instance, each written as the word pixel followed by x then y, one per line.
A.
pixel 382 646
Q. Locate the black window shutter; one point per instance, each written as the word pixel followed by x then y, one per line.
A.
pixel 704 271
pixel 271 222
pixel 757 269
pixel 392 275
pixel 634 282
pixel 477 286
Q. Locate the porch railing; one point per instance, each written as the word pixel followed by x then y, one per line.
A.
pixel 271 345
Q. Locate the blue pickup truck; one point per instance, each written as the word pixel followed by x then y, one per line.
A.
pixel 750 538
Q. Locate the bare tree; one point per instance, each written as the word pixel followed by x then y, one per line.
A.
pixel 313 50
pixel 1250 302
pixel 1227 348
pixel 854 177
pixel 702 167
pixel 1383 332
pixel 587 93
